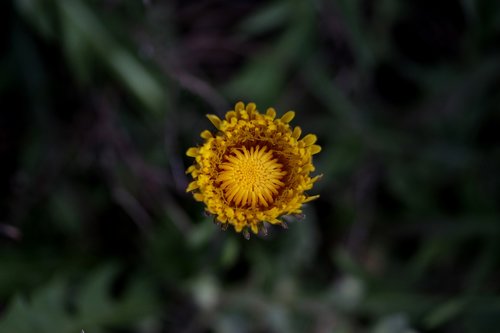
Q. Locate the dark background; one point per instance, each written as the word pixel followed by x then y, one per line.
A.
pixel 100 100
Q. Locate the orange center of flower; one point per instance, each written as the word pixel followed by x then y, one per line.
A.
pixel 251 178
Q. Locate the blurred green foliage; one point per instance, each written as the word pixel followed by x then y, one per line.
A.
pixel 100 100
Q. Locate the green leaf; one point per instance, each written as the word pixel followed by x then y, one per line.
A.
pixel 47 310
pixel 94 302
pixel 267 18
pixel 86 29
pixel 397 323
pixel 444 312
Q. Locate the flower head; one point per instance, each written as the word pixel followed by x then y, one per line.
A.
pixel 253 169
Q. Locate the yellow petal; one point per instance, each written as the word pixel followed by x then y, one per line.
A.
pixel 254 228
pixel 229 212
pixel 287 117
pixel 311 198
pixel 315 149
pixel 316 178
pixel 198 196
pixel 271 112
pixel 244 114
pixel 192 186
pixel 309 139
pixel 214 120
pixel 297 131
pixel 206 134
pixel 251 107
pixel 190 169
pixel 239 106
pixel 230 115
pixel 192 152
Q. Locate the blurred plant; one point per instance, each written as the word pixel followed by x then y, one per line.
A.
pixel 402 95
pixel 87 44
pixel 51 309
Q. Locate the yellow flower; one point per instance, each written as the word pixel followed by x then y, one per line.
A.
pixel 254 169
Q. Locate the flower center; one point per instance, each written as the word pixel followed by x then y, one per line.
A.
pixel 251 178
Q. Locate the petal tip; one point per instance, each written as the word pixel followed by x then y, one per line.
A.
pixel 315 149
pixel 288 117
pixel 214 120
pixel 192 152
pixel 239 106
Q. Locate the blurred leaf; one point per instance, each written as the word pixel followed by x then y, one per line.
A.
pixel 45 313
pixel 230 252
pixel 40 14
pixel 205 291
pixel 85 26
pixel 272 16
pixel 349 266
pixel 360 40
pixel 14 320
pixel 201 234
pixel 48 311
pixel 94 301
pixel 264 76
pixel 320 83
pixel 347 293
pixel 386 302
pixel 444 313
pixel 393 324
pixel 65 211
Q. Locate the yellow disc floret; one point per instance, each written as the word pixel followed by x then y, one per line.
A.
pixel 251 178
pixel 254 169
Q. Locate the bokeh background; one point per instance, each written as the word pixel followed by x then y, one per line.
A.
pixel 100 100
